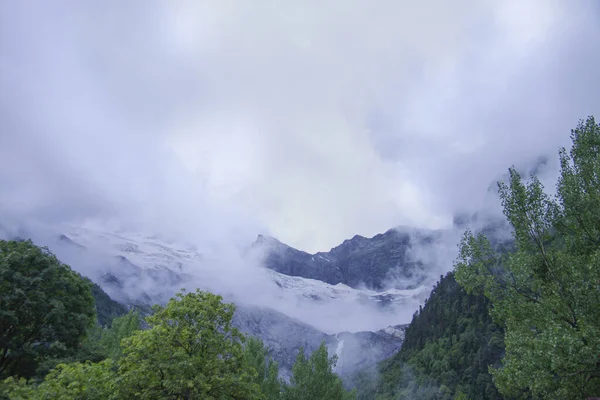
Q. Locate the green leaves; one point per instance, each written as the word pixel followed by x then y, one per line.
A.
pixel 82 380
pixel 546 292
pixel 190 351
pixel 107 340
pixel 313 378
pixel 67 382
pixel 45 307
pixel 446 352
pixel 267 371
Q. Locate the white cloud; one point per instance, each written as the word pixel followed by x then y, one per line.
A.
pixel 312 120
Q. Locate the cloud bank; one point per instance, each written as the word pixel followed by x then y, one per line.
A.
pixel 311 121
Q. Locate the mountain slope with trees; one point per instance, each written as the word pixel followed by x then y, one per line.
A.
pixel 523 321
pixel 546 293
pixel 446 352
pixel 512 321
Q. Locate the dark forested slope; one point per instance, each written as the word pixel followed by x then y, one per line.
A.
pixel 448 347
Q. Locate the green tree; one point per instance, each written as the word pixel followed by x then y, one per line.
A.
pixel 109 339
pixel 546 292
pixel 89 381
pixel 447 349
pixel 100 343
pixel 45 307
pixel 267 371
pixel 313 378
pixel 107 309
pixel 191 351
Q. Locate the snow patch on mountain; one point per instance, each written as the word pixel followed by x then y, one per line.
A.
pixel 319 291
pixel 152 269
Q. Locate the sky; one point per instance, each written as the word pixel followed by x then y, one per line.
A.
pixel 310 121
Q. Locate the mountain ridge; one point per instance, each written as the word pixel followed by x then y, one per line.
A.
pixel 357 262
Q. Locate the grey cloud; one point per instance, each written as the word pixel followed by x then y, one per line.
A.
pixel 213 120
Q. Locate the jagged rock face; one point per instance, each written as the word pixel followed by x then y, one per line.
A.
pixel 356 262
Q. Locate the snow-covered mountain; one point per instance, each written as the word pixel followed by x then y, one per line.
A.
pixel 137 267
pixel 362 326
pixel 390 300
pixel 383 261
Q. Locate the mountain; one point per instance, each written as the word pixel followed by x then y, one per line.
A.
pixel 286 312
pixel 357 262
pixel 448 347
pixel 284 336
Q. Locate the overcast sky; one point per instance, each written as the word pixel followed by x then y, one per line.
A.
pixel 311 120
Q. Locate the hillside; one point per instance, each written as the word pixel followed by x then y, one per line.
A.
pixel 447 349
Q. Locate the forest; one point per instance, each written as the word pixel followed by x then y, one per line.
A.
pixel 509 322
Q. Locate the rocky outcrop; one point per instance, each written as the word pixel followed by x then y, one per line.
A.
pixel 357 262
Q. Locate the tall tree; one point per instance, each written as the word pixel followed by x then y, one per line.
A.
pixel 547 292
pixel 45 307
pixel 267 371
pixel 447 349
pixel 313 378
pixel 100 343
pixel 191 351
pixel 109 339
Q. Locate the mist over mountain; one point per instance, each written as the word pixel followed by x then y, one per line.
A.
pixel 358 297
pixel 316 166
pixel 362 326
pixel 357 262
pixel 212 124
